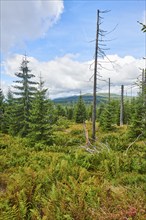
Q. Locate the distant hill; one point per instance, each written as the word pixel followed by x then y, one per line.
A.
pixel 88 98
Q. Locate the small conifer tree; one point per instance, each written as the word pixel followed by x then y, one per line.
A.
pixel 1 109
pixel 70 112
pixel 24 95
pixel 138 121
pixel 7 116
pixel 106 118
pixel 39 119
pixel 80 114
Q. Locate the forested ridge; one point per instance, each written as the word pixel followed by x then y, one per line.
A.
pixel 52 169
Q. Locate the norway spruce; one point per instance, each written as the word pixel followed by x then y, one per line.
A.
pixel 40 117
pixel 7 114
pixel 138 122
pixel 80 115
pixel 1 109
pixel 25 90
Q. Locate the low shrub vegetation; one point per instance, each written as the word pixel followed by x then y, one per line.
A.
pixel 64 181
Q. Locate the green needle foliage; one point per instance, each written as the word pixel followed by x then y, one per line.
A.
pixel 70 112
pixel 108 115
pixel 24 95
pixel 7 116
pixel 1 109
pixel 80 113
pixel 138 122
pixel 1 97
pixel 106 118
pixel 40 128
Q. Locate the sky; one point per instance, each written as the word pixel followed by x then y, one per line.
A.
pixel 58 37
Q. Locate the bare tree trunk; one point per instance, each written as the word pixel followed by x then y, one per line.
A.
pixel 86 135
pixel 95 82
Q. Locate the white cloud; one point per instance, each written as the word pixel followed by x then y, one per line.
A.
pixel 65 76
pixel 23 20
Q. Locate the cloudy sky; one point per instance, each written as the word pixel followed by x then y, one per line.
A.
pixel 59 39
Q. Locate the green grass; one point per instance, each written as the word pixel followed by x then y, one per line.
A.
pixel 65 182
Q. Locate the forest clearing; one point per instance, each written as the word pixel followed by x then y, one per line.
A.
pixel 73 127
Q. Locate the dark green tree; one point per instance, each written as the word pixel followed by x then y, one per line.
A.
pixel 1 109
pixel 70 112
pixel 106 118
pixel 24 95
pixel 129 110
pixel 7 116
pixel 89 110
pixel 100 109
pixel 40 124
pixel 80 112
pixel 115 108
pixel 1 97
pixel 60 110
pixel 108 115
pixel 138 121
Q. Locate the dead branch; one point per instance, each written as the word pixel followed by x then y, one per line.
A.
pixel 93 148
pixel 132 143
pixel 91 151
pixel 86 135
pixel 103 145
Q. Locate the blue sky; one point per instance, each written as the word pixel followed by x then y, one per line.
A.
pixel 71 25
pixel 77 26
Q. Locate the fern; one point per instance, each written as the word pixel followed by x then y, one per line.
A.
pixel 23 206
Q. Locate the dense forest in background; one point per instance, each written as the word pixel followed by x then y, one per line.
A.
pixel 51 169
pixel 27 112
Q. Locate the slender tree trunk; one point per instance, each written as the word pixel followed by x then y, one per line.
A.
pixel 95 82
